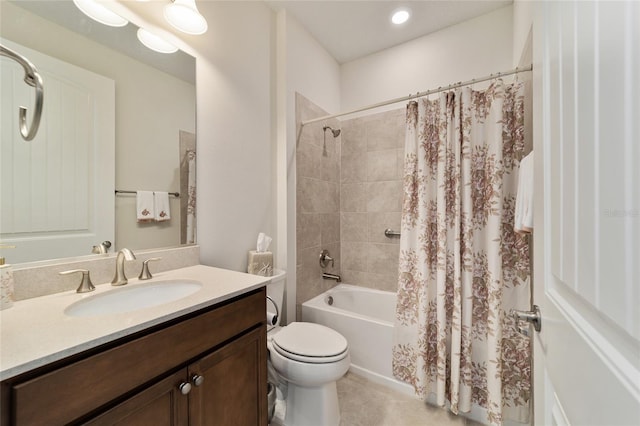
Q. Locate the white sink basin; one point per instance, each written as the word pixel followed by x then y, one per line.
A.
pixel 133 297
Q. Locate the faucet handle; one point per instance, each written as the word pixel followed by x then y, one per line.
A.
pixel 325 259
pixel 85 285
pixel 145 274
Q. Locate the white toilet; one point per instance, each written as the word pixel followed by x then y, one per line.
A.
pixel 308 358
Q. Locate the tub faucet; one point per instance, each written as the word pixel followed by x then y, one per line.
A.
pixel 120 278
pixel 328 276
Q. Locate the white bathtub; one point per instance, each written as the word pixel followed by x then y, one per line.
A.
pixel 365 318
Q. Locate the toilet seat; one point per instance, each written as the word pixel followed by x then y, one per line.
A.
pixel 310 343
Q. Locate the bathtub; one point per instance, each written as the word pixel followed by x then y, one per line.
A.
pixel 365 318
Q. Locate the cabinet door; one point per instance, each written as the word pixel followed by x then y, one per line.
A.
pixel 234 383
pixel 159 405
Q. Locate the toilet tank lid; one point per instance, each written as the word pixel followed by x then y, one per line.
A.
pixel 278 275
pixel 310 340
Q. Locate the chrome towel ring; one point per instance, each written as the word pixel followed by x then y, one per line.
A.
pixel 33 79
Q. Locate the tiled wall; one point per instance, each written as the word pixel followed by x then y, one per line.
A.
pixel 317 201
pixel 349 190
pixel 371 198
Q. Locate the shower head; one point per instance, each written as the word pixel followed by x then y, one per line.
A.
pixel 336 132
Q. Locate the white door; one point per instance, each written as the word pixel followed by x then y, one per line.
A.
pixel 587 212
pixel 56 191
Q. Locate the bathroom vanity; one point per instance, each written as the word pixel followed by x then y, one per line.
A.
pixel 197 360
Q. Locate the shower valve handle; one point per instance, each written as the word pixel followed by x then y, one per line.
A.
pixel 325 259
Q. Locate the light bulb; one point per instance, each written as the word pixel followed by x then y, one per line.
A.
pixel 184 16
pixel 100 13
pixel 155 42
pixel 400 16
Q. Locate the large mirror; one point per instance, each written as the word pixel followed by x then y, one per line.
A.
pixel 66 182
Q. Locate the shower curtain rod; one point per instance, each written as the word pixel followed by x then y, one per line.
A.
pixel 420 94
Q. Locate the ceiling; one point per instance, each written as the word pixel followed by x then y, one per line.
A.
pixel 350 29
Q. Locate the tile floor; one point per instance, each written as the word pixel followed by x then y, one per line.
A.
pixel 364 403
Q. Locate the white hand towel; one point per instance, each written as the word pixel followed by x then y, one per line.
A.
pixel 162 206
pixel 144 206
pixel 523 220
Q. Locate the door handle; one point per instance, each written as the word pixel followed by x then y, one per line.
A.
pixel 532 316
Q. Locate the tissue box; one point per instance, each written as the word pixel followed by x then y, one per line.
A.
pixel 260 263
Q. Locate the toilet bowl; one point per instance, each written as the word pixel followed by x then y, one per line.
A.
pixel 306 359
pixel 310 358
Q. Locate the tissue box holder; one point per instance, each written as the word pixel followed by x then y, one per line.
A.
pixel 260 263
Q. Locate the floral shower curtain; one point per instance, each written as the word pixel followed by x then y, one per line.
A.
pixel 462 266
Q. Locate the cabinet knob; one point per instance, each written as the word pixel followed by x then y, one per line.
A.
pixel 197 379
pixel 185 388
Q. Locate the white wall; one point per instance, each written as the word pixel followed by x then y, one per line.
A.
pixel 234 121
pixel 474 48
pixel 235 116
pixel 311 70
pixel 522 25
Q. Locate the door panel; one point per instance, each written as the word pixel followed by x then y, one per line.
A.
pixel 587 212
pixel 160 405
pixel 56 191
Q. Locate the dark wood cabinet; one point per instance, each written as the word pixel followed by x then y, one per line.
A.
pixel 140 380
pixel 231 392
pixel 162 404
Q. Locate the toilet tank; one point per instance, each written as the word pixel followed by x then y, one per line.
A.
pixel 275 290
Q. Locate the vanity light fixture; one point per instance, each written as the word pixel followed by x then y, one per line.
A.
pixel 400 16
pixel 184 16
pixel 98 12
pixel 155 42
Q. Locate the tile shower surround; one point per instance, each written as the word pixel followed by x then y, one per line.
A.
pixel 317 201
pixel 371 198
pixel 349 190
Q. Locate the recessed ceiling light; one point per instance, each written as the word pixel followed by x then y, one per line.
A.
pixel 155 42
pixel 400 16
pixel 100 13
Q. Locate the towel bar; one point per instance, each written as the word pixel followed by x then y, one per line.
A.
pixel 391 233
pixel 120 191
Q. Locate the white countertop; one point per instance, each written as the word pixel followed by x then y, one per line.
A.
pixel 36 332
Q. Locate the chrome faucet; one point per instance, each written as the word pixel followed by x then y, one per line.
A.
pixel 120 278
